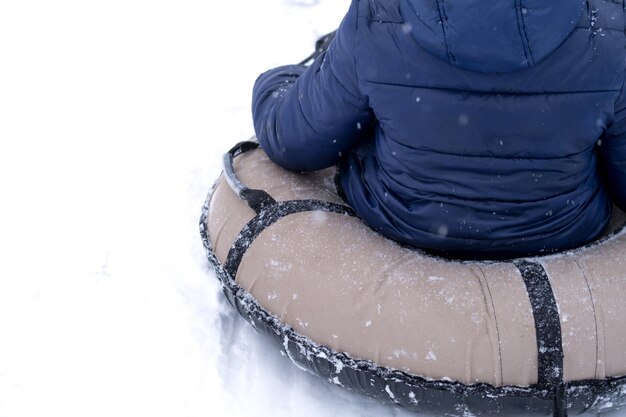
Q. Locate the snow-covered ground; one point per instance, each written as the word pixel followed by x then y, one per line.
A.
pixel 113 117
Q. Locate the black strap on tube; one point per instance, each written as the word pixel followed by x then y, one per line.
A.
pixel 548 332
pixel 268 211
pixel 321 46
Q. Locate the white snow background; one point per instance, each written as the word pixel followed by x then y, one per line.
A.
pixel 113 118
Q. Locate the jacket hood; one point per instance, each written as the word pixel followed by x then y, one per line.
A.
pixel 491 36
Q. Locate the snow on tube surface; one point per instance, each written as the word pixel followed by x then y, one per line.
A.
pixel 540 336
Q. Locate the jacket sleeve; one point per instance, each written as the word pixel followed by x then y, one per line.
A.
pixel 613 154
pixel 305 118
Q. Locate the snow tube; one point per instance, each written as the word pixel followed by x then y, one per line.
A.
pixel 540 336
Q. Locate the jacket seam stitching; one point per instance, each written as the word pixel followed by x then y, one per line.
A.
pixel 354 49
pixel 443 17
pixel 604 29
pixel 503 157
pixel 521 27
pixel 414 11
pixel 530 49
pixel 621 91
pixel 615 110
pixel 501 93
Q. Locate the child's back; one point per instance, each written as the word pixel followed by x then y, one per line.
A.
pixel 463 126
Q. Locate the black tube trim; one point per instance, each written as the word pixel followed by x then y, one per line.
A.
pixel 443 397
pixel 417 393
pixel 257 199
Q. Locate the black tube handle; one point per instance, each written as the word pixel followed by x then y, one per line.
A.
pixel 257 199
pixel 321 46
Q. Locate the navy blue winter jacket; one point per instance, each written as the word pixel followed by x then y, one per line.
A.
pixel 477 128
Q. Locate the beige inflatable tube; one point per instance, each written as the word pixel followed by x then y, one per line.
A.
pixel 540 336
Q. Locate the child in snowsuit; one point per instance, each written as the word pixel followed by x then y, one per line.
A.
pixel 472 128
